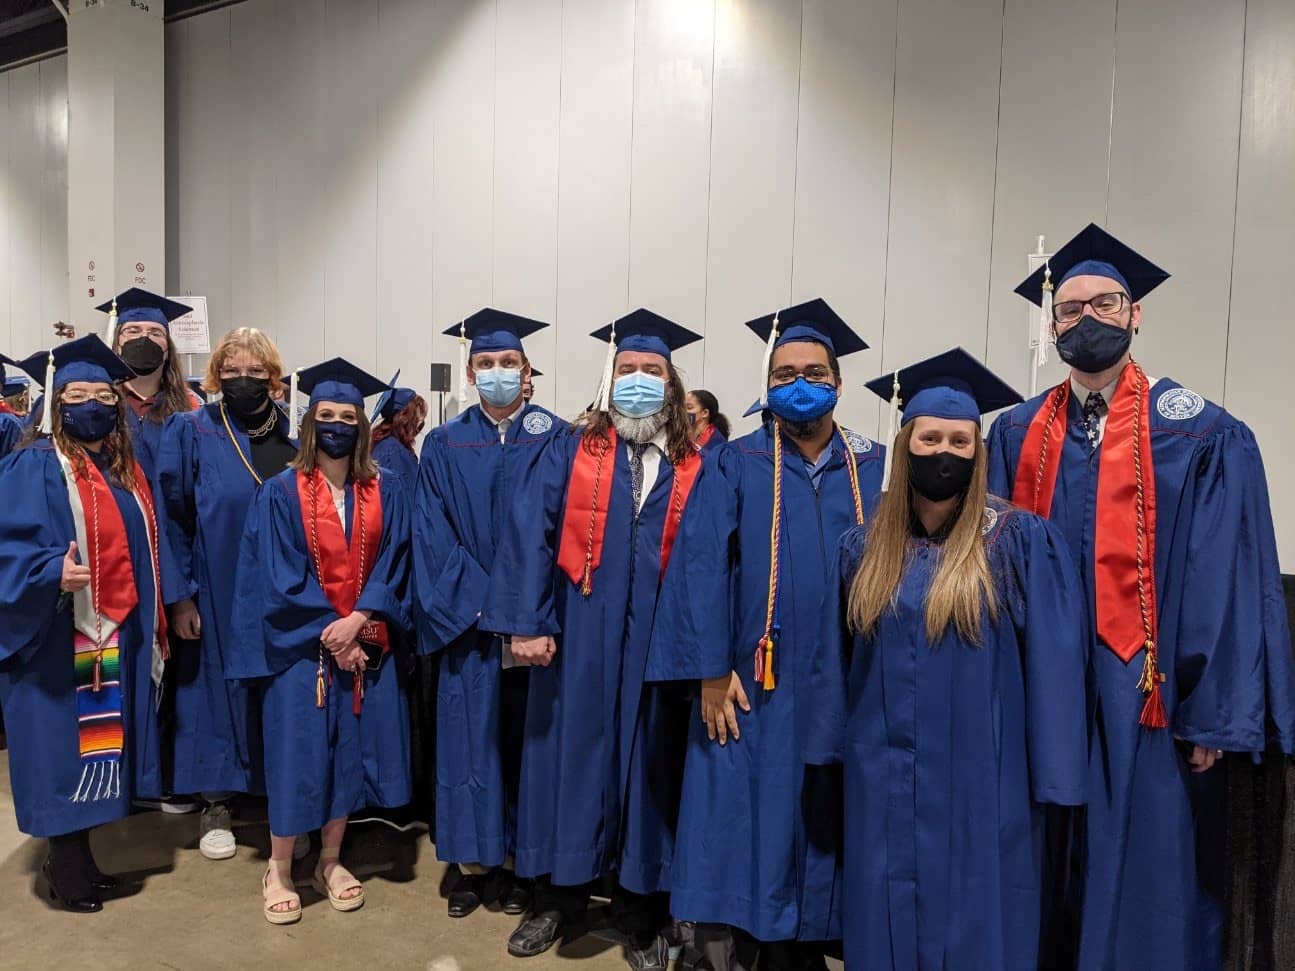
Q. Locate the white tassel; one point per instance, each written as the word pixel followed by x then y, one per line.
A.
pixel 764 366
pixel 462 395
pixel 294 405
pixel 890 435
pixel 111 335
pixel 1045 318
pixel 604 400
pixel 47 416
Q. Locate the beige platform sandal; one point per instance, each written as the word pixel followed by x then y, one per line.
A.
pixel 340 881
pixel 281 893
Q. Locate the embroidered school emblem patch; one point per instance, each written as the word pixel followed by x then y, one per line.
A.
pixel 1179 404
pixel 858 443
pixel 991 520
pixel 537 423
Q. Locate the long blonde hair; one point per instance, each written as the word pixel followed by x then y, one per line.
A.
pixel 962 588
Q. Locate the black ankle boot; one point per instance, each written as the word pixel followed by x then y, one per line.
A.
pixel 76 899
pixel 98 879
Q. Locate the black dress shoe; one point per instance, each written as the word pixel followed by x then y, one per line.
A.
pixel 74 903
pixel 102 881
pixel 518 898
pixel 467 894
pixel 536 935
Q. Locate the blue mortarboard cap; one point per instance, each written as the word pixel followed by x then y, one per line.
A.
pixel 84 359
pixel 950 385
pixel 14 384
pixel 137 304
pixel 814 321
pixel 1096 252
pixel 643 330
pixel 394 400
pixel 339 380
pixel 495 330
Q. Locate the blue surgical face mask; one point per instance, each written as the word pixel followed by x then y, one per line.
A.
pixel 499 386
pixel 638 395
pixel 802 400
pixel 336 438
pixel 90 421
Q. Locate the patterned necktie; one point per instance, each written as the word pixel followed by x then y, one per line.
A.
pixel 636 474
pixel 1094 409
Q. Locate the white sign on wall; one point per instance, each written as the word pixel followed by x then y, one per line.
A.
pixel 190 332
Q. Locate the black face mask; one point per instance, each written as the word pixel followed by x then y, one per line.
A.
pixel 940 475
pixel 246 397
pixel 143 355
pixel 1092 346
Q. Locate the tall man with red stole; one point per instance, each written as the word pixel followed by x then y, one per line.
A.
pixel 575 582
pixel 1162 499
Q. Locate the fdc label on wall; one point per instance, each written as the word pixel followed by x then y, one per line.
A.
pixel 190 332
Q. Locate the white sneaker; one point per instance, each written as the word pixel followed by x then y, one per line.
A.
pixel 301 847
pixel 217 842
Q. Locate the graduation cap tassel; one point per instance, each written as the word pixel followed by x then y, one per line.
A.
pixel 111 334
pixel 768 357
pixel 294 405
pixel 462 395
pixel 890 434
pixel 1045 320
pixel 47 417
pixel 605 387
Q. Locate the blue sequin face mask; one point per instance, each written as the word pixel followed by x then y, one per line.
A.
pixel 802 400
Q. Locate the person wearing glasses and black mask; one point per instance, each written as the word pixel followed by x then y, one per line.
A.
pixel 211 463
pixel 1162 499
pixel 139 331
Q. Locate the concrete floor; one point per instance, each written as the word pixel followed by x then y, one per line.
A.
pixel 180 911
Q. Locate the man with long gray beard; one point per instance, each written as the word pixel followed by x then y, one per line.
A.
pixel 575 584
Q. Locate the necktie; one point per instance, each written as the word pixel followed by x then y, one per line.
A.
pixel 504 425
pixel 1094 409
pixel 636 475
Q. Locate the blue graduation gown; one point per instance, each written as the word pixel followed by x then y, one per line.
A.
pixel 713 443
pixel 146 437
pixel 37 687
pixel 466 483
pixel 205 491
pixel 602 754
pixel 398 460
pixel 11 432
pixel 756 844
pixel 321 763
pixel 949 751
pixel 1225 647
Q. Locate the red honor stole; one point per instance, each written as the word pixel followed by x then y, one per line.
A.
pixel 108 553
pixel 6 408
pixel 706 436
pixel 1125 543
pixel 584 523
pixel 343 568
